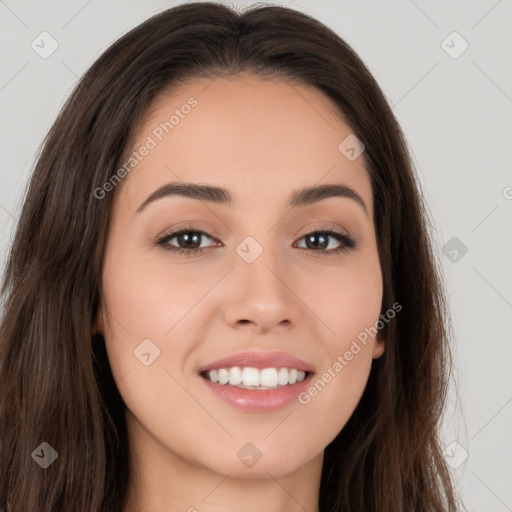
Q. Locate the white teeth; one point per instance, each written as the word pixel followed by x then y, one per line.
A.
pixel 253 378
pixel 268 377
pixel 235 376
pixel 282 376
pixel 223 376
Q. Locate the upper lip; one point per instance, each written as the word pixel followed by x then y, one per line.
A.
pixel 259 360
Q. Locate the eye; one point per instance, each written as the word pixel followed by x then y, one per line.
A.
pixel 189 238
pixel 318 241
pixel 188 241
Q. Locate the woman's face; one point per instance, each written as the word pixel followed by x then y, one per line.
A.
pixel 257 284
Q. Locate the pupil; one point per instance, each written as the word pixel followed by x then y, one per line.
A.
pixel 312 237
pixel 187 239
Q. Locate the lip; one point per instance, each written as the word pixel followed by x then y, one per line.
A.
pixel 257 400
pixel 250 400
pixel 259 360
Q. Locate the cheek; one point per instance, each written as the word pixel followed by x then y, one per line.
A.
pixel 349 303
pixel 148 300
pixel 347 300
pixel 152 308
pixel 334 393
pixel 144 303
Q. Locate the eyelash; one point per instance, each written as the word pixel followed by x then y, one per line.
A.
pixel 347 242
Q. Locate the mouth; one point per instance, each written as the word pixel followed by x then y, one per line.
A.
pixel 257 381
pixel 254 378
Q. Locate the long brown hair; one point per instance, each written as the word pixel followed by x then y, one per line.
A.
pixel 55 378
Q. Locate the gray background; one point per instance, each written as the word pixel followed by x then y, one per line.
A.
pixel 456 114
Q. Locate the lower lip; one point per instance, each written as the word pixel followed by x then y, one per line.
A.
pixel 263 400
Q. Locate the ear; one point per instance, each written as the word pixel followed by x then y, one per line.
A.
pixel 379 346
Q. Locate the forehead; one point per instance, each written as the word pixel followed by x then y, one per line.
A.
pixel 258 138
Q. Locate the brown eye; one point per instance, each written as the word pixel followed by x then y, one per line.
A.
pixel 185 240
pixel 319 241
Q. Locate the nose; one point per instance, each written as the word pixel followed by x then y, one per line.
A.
pixel 262 296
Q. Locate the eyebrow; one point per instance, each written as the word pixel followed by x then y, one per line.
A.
pixel 302 197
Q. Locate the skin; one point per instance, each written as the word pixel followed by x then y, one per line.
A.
pixel 262 140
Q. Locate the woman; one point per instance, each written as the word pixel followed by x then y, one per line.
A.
pixel 221 291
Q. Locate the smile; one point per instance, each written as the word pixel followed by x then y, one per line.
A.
pixel 254 378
